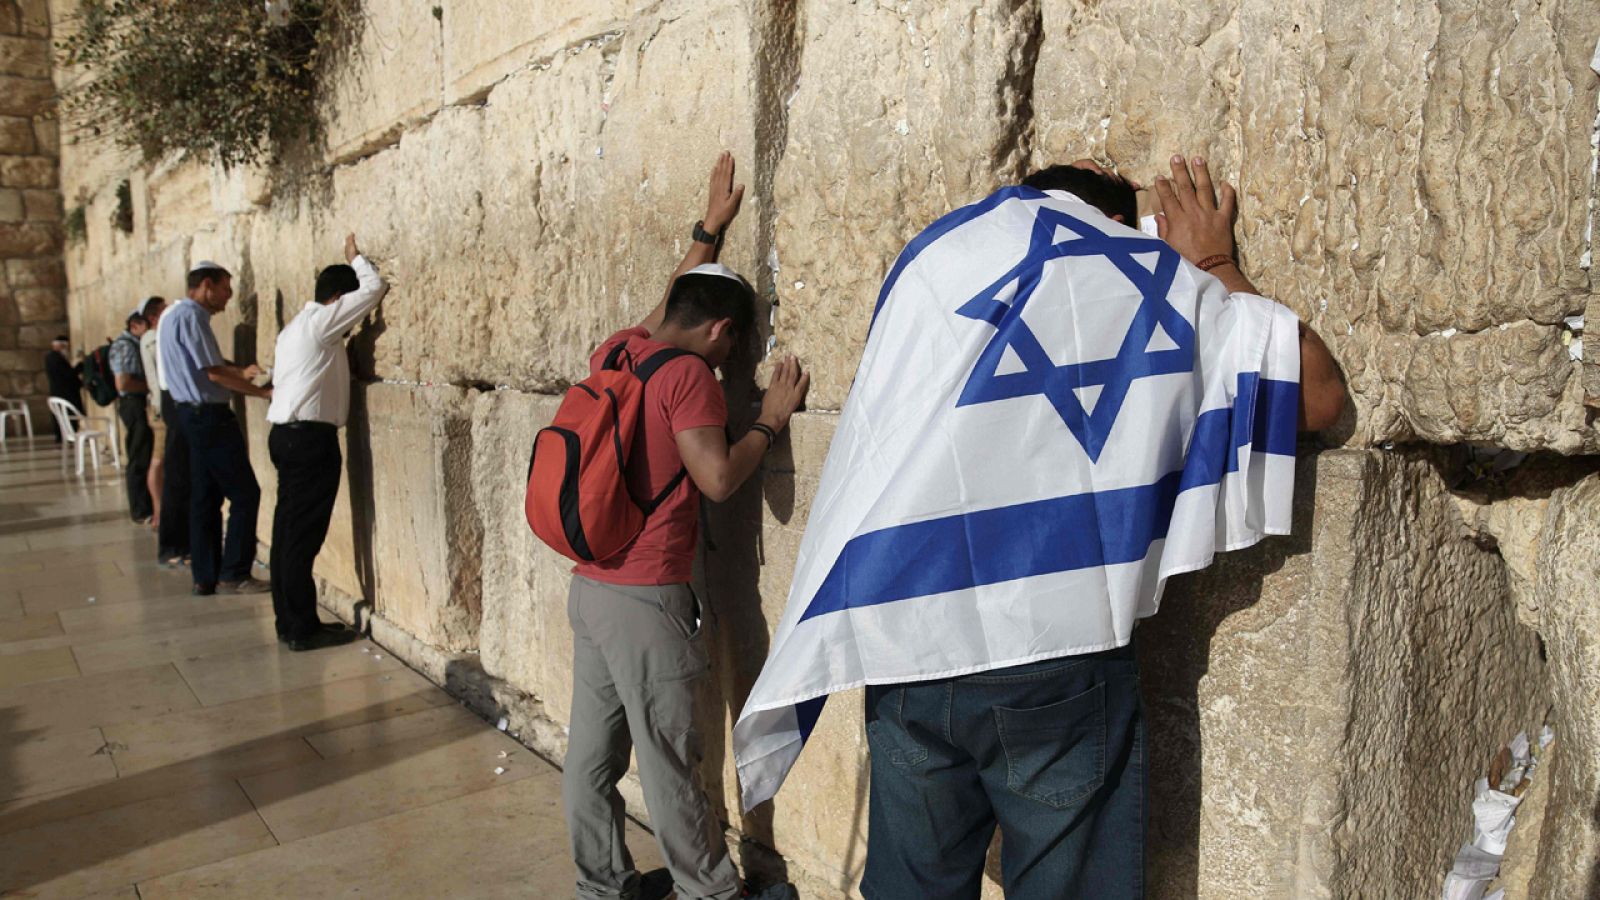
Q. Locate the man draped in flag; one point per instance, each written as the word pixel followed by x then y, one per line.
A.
pixel 1054 413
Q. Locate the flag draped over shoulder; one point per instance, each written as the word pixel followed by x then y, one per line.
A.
pixel 1053 414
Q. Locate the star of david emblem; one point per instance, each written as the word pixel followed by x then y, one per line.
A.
pixel 1088 395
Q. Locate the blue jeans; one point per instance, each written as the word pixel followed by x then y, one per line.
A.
pixel 1052 752
pixel 219 468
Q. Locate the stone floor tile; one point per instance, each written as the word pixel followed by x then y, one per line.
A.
pixel 507 842
pixel 159 614
pixel 75 593
pixel 198 732
pixel 178 643
pixel 356 738
pixel 53 762
pixel 16 568
pixel 104 699
pixel 86 578
pixel 73 535
pixel 10 605
pixel 225 677
pixel 111 848
pixel 27 628
pixel 346 790
pixel 39 665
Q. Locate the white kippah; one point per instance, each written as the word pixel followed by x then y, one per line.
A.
pixel 203 265
pixel 715 269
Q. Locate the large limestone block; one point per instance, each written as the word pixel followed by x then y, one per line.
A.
pixel 425 531
pixel 486 40
pixel 179 200
pixel 1569 601
pixel 900 114
pixel 1320 705
pixel 525 639
pixel 391 79
pixel 1370 149
pixel 538 223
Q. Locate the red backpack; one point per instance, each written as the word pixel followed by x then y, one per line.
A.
pixel 578 499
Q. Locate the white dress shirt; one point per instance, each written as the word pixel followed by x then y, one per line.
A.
pixel 310 375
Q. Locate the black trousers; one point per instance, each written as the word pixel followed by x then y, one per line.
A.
pixel 140 443
pixel 219 468
pixel 309 464
pixel 174 531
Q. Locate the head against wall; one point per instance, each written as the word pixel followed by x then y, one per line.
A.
pixel 710 310
pixel 336 281
pixel 210 285
pixel 60 344
pixel 138 324
pixel 1106 191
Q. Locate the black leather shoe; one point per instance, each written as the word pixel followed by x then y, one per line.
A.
pixel 322 639
pixel 204 590
pixel 325 626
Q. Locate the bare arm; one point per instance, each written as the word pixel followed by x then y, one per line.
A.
pixel 351 308
pixel 719 469
pixel 721 209
pixel 126 383
pixel 234 379
pixel 1197 225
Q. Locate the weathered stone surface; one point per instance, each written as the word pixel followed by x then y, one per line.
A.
pixel 479 49
pixel 390 79
pixel 16 135
pixel 1318 706
pixel 12 208
pixel 42 205
pixel 1569 594
pixel 26 57
pixel 525 639
pixel 32 239
pixel 40 304
pixel 25 96
pixel 880 142
pixel 426 533
pixel 28 172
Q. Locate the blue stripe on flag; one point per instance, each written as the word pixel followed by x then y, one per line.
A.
pixel 806 713
pixel 1059 534
pixel 944 225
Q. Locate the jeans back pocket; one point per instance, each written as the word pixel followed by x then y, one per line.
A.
pixel 1056 754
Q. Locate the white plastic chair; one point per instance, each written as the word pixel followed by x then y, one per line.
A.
pixel 17 411
pixel 69 418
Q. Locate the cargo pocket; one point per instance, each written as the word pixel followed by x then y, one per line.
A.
pixel 887 735
pixel 1056 754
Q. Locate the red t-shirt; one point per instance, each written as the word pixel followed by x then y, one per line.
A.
pixel 682 394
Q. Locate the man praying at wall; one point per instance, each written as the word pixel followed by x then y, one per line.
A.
pixel 203 384
pixel 1053 414
pixel 133 401
pixel 65 382
pixel 310 403
pixel 638 650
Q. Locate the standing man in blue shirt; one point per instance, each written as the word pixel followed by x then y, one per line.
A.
pixel 202 384
pixel 133 397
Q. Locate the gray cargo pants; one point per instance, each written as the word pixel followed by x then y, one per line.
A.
pixel 637 657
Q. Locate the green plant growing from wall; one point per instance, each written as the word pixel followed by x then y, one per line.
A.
pixel 232 79
pixel 122 215
pixel 76 224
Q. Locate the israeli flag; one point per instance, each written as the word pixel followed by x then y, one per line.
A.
pixel 1054 413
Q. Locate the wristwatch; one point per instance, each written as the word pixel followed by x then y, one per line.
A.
pixel 704 236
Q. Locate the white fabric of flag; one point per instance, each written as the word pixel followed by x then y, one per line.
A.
pixel 1053 414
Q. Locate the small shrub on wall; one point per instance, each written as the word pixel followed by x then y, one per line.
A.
pixel 232 79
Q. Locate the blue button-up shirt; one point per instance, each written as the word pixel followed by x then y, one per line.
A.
pixel 188 348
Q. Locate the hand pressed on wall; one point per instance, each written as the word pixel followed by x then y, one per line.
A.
pixel 1192 219
pixel 724 197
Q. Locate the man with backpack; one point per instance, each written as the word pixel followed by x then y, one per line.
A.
pixel 638 651
pixel 133 400
pixel 65 384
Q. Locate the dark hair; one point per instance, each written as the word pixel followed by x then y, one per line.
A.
pixel 700 297
pixel 336 280
pixel 201 276
pixel 137 319
pixel 62 338
pixel 149 300
pixel 1110 194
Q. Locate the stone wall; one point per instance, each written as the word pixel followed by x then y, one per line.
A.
pixel 33 307
pixel 1416 182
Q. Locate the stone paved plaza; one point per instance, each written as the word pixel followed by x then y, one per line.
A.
pixel 156 744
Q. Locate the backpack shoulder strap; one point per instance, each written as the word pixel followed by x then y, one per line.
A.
pixel 613 360
pixel 655 361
